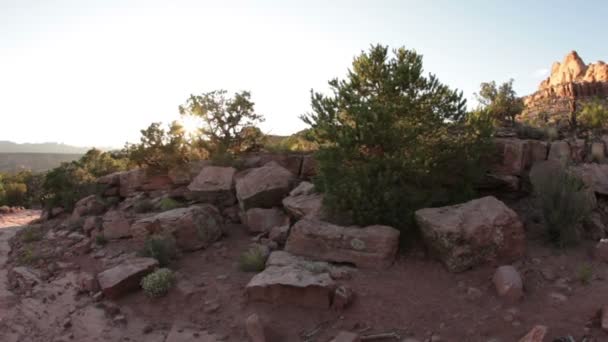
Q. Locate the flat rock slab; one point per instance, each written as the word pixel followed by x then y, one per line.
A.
pixel 125 277
pixel 263 187
pixel 289 280
pixel 468 234
pixel 260 220
pixel 370 247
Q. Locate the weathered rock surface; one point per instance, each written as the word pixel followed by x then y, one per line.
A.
pixel 260 220
pixel 369 247
pixel 595 176
pixel 508 283
pixel 116 225
pixel 89 205
pixel 255 328
pixel 214 184
pixel 186 333
pixel 601 250
pixel 346 336
pixel 289 280
pixel 304 205
pixel 125 277
pixel 263 187
pixel 465 235
pixel 514 156
pixel 193 228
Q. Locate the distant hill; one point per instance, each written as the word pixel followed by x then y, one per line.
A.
pixel 49 147
pixel 36 162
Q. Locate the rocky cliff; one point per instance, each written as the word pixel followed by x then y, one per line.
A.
pixel 571 84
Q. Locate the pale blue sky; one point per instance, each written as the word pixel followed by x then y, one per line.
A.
pixel 95 72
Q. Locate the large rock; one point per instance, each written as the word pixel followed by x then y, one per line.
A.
pixel 469 234
pixel 116 225
pixel 595 176
pixel 514 156
pixel 560 151
pixel 289 280
pixel 260 220
pixel 538 151
pixel 214 184
pixel 125 277
pixel 193 228
pixel 90 205
pixel 263 187
pixel 131 181
pixel 369 247
pixel 304 202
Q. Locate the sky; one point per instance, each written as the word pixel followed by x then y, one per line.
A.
pixel 93 73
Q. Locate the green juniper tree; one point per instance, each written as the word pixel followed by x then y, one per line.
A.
pixel 392 140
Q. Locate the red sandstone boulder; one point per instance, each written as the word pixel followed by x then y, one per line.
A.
pixel 89 205
pixel 514 156
pixel 369 247
pixel 560 151
pixel 193 228
pixel 260 220
pixel 468 234
pixel 289 280
pixel 595 176
pixel 116 225
pixel 124 278
pixel 304 202
pixel 214 184
pixel 263 187
pixel 131 181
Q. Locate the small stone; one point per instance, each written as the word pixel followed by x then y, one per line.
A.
pixel 508 283
pixel 120 319
pixel 557 298
pixel 343 297
pixel 474 293
pixel 255 328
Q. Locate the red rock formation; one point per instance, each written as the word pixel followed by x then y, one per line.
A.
pixel 570 84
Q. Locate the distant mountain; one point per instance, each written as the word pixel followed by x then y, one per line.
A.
pixel 49 147
pixel 36 162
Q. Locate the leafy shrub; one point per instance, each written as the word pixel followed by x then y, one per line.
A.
pixel 161 248
pixel 585 273
pixel 392 140
pixel 501 101
pixel 228 124
pixel 253 260
pixel 161 150
pixel 169 204
pixel 31 233
pixel 564 200
pixel 525 131
pixel 101 240
pixel 594 115
pixel 158 283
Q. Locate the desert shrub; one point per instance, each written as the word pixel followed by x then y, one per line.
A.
pixel 525 131
pixel 228 125
pixel 594 116
pixel 64 185
pixel 31 233
pixel 253 260
pixel 21 189
pixel 392 140
pixel 158 283
pixel 585 274
pixel 15 194
pixel 160 149
pixel 28 256
pixel 564 201
pixel 302 141
pixel 169 204
pixel 501 101
pixel 161 248
pixel 101 240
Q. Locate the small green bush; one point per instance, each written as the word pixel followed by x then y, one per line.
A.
pixel 161 248
pixel 169 204
pixel 564 200
pixel 253 260
pixel 31 233
pixel 585 273
pixel 158 283
pixel 101 240
pixel 594 116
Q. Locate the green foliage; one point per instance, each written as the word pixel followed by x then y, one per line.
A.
pixel 160 149
pixel 501 101
pixel 158 283
pixel 31 233
pixel 525 131
pixel 169 204
pixel 392 140
pixel 21 189
pixel 564 200
pixel 143 206
pixel 228 124
pixel 585 274
pixel 302 141
pixel 161 248
pixel 594 116
pixel 253 260
pixel 66 184
pixel 101 240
